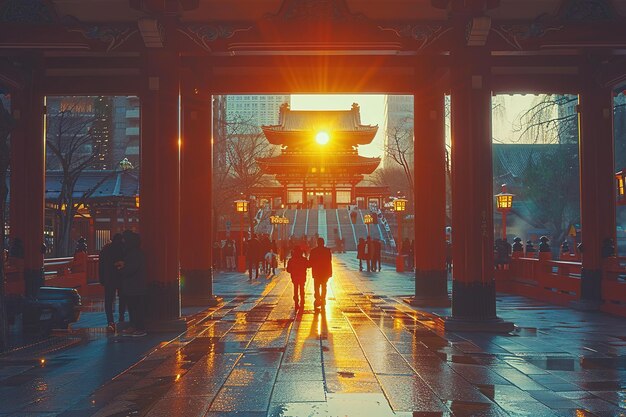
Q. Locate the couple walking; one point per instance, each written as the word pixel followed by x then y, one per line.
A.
pixel 122 271
pixel 320 262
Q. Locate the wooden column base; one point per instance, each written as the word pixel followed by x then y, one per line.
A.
pixel 591 285
pixel 196 288
pixel 162 302
pixel 431 289
pixel 495 325
pixel 473 300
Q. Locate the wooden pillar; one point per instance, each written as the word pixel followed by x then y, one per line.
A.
pixel 304 195
pixel 597 189
pixel 159 210
pixel 333 196
pixel 196 198
pixel 431 278
pixel 474 292
pixel 28 181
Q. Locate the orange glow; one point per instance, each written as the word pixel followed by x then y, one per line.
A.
pixel 322 138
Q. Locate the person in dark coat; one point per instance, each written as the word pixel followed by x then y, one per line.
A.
pixel 360 253
pixel 297 266
pixel 133 273
pixel 376 255
pixel 253 256
pixel 110 277
pixel 321 263
pixel 369 249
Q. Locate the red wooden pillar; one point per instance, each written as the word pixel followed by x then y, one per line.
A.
pixel 196 198
pixel 431 278
pixel 159 187
pixel 597 190
pixel 28 181
pixel 474 292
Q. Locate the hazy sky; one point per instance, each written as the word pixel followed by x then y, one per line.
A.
pixel 373 112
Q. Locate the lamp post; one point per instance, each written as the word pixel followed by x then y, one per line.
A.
pixel 399 206
pixel 504 202
pixel 241 206
pixel 368 219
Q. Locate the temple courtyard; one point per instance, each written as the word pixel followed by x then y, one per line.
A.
pixel 368 354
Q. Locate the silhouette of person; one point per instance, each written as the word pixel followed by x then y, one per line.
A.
pixel 253 256
pixel 297 267
pixel 322 269
pixel 110 277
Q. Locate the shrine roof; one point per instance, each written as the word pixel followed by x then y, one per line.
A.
pixel 344 124
pixel 105 183
pixel 355 163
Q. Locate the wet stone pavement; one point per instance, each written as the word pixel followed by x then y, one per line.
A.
pixel 368 354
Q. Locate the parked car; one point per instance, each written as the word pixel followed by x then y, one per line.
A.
pixel 54 308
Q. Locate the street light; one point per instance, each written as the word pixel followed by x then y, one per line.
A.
pixel 399 206
pixel 504 202
pixel 241 206
pixel 368 219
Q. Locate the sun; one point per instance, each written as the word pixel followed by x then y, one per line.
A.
pixel 322 138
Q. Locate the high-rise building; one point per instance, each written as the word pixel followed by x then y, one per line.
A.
pixel 567 109
pixel 102 133
pixel 398 128
pixel 255 110
pixel 126 122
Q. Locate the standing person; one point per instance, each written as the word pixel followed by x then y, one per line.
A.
pixel 253 256
pixel 360 252
pixel 229 255
pixel 322 269
pixel 133 273
pixel 110 277
pixel 368 253
pixel 272 261
pixel 376 255
pixel 217 255
pixel 297 267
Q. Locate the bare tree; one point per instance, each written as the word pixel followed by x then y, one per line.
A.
pixel 399 149
pixel 72 150
pixel 242 142
pixel 544 123
pixel 6 126
pixel 551 179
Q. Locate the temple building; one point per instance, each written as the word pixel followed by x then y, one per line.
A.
pixel 319 165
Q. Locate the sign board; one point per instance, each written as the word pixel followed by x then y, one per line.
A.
pixel 572 231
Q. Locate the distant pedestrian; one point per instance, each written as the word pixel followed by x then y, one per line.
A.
pixel 109 276
pixel 229 255
pixel 272 261
pixel 253 256
pixel 376 255
pixel 133 273
pixel 322 269
pixel 360 253
pixel 297 266
pixel 217 256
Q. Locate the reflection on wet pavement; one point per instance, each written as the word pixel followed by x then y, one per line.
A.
pixel 367 354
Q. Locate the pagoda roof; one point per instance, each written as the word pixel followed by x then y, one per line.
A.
pixel 303 162
pixel 300 126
